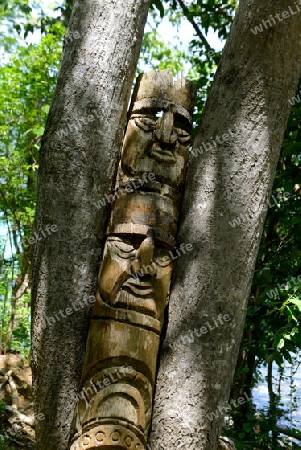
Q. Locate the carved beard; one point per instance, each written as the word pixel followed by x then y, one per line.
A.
pixel 138 295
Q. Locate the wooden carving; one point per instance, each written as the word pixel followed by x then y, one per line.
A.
pixel 115 403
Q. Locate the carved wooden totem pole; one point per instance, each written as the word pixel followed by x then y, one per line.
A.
pixel 115 403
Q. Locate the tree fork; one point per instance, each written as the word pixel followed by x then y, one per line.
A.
pixel 78 162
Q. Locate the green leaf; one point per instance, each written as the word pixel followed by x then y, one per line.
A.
pixel 247 427
pixel 38 131
pixel 278 359
pixel 297 302
pixel 286 355
pixel 296 338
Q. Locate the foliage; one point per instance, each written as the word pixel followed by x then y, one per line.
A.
pixel 19 18
pixel 157 54
pixel 27 83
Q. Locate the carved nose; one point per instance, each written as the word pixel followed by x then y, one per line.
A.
pixel 144 257
pixel 145 252
pixel 165 131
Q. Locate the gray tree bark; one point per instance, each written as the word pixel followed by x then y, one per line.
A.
pixel 77 169
pixel 230 180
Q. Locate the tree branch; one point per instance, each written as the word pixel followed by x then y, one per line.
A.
pixel 14 392
pixel 223 13
pixel 291 433
pixel 288 432
pixel 22 418
pixel 195 26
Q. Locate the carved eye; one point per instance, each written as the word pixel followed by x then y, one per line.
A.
pixel 125 253
pixel 183 136
pixel 120 248
pixel 145 123
pixel 163 261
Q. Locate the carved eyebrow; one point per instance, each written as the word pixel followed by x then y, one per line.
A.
pixel 120 245
pixel 123 247
pixel 158 104
pixel 149 110
pixel 180 122
pixel 124 253
pixel 137 116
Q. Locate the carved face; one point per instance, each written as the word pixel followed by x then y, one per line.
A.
pixel 157 141
pixel 135 275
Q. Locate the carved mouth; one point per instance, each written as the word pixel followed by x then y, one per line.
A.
pixel 137 295
pixel 166 155
pixel 138 287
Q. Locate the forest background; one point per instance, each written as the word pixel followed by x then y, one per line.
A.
pixel 32 35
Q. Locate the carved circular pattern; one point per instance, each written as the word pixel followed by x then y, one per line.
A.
pixel 128 441
pixel 86 440
pixel 108 435
pixel 115 436
pixel 99 436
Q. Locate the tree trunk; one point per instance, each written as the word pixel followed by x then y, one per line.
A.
pixel 77 169
pixel 238 142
